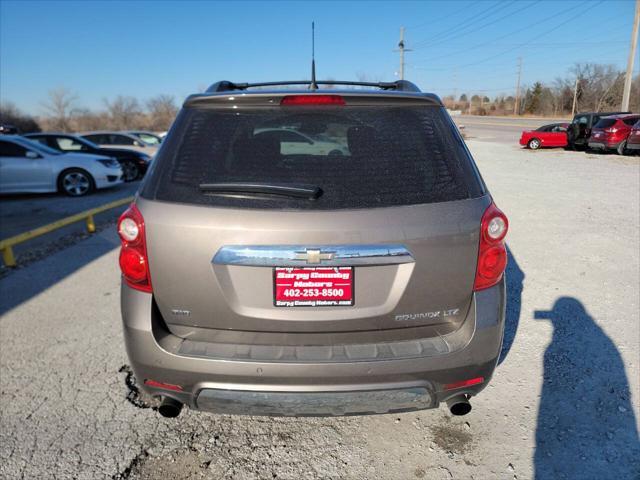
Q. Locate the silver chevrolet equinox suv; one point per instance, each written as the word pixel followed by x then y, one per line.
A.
pixel 306 251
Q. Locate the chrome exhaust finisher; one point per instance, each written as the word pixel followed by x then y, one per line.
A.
pixel 459 405
pixel 169 407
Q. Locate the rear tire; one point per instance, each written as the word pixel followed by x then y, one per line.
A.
pixel 534 144
pixel 130 171
pixel 76 182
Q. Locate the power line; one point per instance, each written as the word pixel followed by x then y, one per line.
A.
pixel 440 19
pixel 493 22
pixel 481 45
pixel 449 32
pixel 574 17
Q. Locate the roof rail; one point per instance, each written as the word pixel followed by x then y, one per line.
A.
pixel 398 85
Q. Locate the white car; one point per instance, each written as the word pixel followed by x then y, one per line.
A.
pixel 121 140
pixel 147 137
pixel 30 167
pixel 293 142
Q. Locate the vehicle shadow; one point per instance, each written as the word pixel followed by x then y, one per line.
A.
pixel 586 426
pixel 33 279
pixel 515 278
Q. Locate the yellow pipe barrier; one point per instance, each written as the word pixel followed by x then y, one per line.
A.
pixel 6 245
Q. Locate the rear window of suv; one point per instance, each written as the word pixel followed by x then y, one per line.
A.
pixel 605 123
pixel 360 157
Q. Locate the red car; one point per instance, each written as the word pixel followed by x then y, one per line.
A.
pixel 611 133
pixel 633 141
pixel 552 135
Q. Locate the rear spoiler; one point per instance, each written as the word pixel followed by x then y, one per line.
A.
pixel 401 91
pixel 398 85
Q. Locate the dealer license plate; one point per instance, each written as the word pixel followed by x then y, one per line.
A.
pixel 313 287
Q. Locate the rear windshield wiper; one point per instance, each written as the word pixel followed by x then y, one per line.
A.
pixel 309 192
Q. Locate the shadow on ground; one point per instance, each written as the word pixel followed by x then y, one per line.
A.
pixel 586 426
pixel 22 285
pixel 515 278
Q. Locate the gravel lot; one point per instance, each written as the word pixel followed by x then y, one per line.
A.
pixel 564 402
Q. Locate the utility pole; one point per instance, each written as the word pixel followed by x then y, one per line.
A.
pixel 401 49
pixel 575 96
pixel 455 86
pixel 517 104
pixel 632 53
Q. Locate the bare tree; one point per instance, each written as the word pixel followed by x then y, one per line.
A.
pixel 161 111
pixel 124 112
pixel 59 106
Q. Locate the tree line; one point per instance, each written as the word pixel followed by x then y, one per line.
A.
pixel 63 114
pixel 597 88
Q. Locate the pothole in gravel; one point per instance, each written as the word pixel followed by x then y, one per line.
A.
pixel 260 448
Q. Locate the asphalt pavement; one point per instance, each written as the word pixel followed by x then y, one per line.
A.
pixel 564 402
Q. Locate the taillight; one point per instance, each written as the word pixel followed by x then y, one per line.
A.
pixel 134 262
pixel 492 252
pixel 464 383
pixel 166 386
pixel 312 99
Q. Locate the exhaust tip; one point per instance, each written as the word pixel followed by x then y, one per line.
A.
pixel 459 405
pixel 169 407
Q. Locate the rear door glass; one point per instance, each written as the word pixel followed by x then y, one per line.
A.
pixel 359 156
pixel 605 123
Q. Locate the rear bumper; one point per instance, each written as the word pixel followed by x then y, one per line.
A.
pixel 604 145
pixel 254 386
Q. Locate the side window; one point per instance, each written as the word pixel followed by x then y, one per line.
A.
pixel 40 140
pixel 583 120
pixel 69 144
pixel 10 149
pixel 630 121
pixel 559 128
pixel 121 140
pixel 292 137
pixel 98 139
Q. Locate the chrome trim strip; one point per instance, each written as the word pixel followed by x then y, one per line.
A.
pixel 312 255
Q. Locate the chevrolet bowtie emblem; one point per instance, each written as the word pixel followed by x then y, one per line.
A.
pixel 314 256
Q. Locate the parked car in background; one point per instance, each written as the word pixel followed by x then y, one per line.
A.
pixel 120 140
pixel 611 133
pixel 148 137
pixel 7 129
pixel 633 141
pixel 552 135
pixel 134 164
pixel 27 166
pixel 361 283
pixel 580 127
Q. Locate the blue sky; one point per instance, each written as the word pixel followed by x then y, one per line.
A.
pixel 100 49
